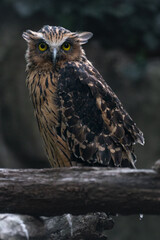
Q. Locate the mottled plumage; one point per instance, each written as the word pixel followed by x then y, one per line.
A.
pixel 80 118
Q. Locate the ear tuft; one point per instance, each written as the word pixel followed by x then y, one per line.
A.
pixel 27 35
pixel 30 35
pixel 84 37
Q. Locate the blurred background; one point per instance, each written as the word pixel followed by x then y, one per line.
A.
pixel 125 49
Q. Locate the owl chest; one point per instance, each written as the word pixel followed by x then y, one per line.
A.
pixel 43 92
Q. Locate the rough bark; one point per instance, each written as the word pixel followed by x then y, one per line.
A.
pixel 90 226
pixel 52 192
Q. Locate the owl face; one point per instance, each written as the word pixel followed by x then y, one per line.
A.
pixel 51 46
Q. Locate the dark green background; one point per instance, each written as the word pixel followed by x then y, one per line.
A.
pixel 125 49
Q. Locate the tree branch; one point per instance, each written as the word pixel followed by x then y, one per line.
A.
pixel 51 192
pixel 90 226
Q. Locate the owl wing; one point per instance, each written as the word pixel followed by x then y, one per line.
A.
pixel 93 122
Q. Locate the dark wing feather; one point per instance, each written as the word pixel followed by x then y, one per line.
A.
pixel 96 127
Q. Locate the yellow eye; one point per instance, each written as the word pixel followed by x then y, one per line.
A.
pixel 42 47
pixel 66 46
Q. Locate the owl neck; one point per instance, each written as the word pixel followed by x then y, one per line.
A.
pixel 46 68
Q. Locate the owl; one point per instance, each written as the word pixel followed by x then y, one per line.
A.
pixel 80 118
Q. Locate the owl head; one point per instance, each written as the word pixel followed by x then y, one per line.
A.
pixel 51 46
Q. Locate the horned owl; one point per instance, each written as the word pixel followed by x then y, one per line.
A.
pixel 80 118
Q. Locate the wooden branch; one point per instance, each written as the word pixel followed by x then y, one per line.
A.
pixel 90 226
pixel 51 192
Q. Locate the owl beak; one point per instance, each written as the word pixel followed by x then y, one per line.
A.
pixel 54 55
